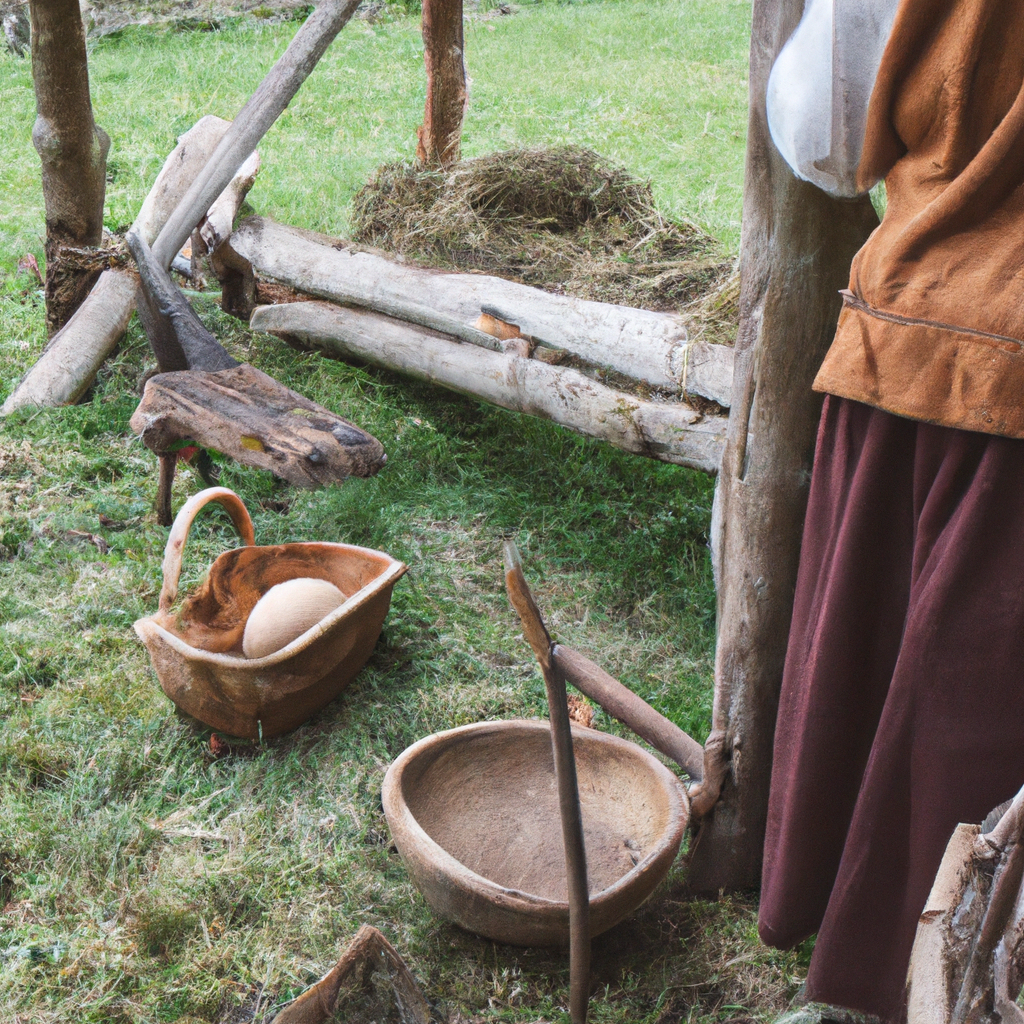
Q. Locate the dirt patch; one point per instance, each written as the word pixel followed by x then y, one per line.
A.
pixel 559 218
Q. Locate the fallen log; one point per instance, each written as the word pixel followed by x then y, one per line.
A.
pixel 671 432
pixel 70 362
pixel 649 347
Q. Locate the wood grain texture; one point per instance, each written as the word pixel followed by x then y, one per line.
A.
pixel 248 415
pixel 796 252
pixel 669 431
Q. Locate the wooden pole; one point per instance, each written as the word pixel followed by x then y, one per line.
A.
pixel 71 147
pixel 565 775
pixel 797 245
pixel 440 136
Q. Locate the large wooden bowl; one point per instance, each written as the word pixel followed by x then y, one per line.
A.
pixel 197 650
pixel 474 815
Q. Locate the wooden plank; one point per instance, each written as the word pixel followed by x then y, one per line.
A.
pixel 259 422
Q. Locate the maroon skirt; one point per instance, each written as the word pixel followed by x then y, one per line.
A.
pixel 902 705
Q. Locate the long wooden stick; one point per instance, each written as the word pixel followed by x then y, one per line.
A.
pixel 565 774
pixel 622 703
pixel 264 107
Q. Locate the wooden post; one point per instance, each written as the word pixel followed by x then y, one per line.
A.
pixel 797 245
pixel 72 148
pixel 440 136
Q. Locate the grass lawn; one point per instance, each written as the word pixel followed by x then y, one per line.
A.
pixel 141 878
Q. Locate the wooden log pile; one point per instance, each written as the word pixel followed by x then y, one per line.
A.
pixel 500 341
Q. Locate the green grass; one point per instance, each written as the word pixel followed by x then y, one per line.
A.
pixel 141 878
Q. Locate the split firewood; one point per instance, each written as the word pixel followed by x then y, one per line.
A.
pixel 74 355
pixel 651 348
pixel 203 396
pixel 967 964
pixel 370 970
pixel 671 432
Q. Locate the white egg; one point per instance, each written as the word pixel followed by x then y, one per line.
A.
pixel 285 612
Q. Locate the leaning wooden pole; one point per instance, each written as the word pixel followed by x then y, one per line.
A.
pixel 797 245
pixel 72 149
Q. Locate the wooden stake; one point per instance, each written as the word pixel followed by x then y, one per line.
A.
pixel 795 255
pixel 565 774
pixel 264 107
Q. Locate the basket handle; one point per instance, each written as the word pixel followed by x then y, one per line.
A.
pixel 183 523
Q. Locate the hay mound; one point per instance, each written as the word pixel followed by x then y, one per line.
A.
pixel 560 218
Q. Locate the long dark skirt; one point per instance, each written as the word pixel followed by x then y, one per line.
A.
pixel 902 707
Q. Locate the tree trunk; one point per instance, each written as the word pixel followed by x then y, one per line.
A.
pixel 72 148
pixel 440 136
pixel 796 250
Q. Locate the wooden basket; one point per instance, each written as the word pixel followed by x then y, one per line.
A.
pixel 197 652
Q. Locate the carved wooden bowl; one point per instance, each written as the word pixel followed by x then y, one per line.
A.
pixel 197 651
pixel 474 815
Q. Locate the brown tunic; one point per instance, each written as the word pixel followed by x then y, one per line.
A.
pixel 934 326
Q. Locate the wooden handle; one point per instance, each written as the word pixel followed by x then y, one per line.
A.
pixel 183 523
pixel 565 777
pixel 633 711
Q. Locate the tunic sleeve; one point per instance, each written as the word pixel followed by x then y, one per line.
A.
pixel 820 88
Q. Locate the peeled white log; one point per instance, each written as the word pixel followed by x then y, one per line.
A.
pixel 76 352
pixel 645 346
pixel 670 432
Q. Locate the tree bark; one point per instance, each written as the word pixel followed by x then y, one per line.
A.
pixel 72 148
pixel 440 136
pixel 796 249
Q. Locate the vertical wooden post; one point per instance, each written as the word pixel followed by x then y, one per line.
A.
pixel 440 136
pixel 72 148
pixel 797 245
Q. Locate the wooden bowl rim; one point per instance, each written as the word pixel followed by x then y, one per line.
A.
pixel 396 807
pixel 387 578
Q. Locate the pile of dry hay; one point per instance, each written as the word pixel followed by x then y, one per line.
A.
pixel 562 218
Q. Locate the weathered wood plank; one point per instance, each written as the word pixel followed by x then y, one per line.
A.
pixel 259 422
pixel 671 432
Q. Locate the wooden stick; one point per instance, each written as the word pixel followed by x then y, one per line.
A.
pixel 631 710
pixel 671 432
pixel 264 107
pixel 565 774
